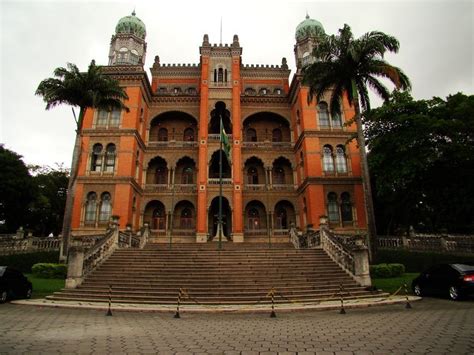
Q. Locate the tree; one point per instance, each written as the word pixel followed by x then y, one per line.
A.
pixel 348 66
pixel 16 190
pixel 422 163
pixel 84 90
pixel 46 211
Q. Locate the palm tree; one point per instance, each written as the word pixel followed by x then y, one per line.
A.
pixel 344 65
pixel 84 90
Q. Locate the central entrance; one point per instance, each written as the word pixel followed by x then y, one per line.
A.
pixel 213 217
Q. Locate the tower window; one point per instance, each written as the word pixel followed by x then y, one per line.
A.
pixel 106 118
pixel 341 164
pixel 323 113
pixel 328 161
pixel 333 208
pixel 96 158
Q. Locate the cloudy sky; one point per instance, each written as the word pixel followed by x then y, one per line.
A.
pixel 436 51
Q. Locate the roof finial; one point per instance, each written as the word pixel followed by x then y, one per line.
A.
pixel 134 13
pixel 307 15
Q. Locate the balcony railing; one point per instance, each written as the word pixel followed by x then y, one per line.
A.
pixel 255 187
pixel 268 145
pixel 216 181
pixel 283 187
pixel 216 137
pixel 172 144
pixel 182 188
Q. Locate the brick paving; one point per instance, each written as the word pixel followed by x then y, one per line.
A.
pixel 433 326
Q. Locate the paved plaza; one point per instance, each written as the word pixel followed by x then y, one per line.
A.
pixel 432 326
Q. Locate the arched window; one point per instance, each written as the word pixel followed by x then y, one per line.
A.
pixel 341 164
pixel 162 135
pixel 187 176
pixel 251 135
pixel 328 161
pixel 336 120
pixel 252 176
pixel 105 207
pixel 110 158
pixel 253 219
pixel 186 219
pixel 102 117
pixel 278 176
pixel 346 207
pixel 115 117
pixel 277 135
pixel 161 176
pixel 91 207
pixel 96 158
pixel 188 135
pixel 333 209
pixel 323 114
pixel 281 218
pixel 220 75
pixel 109 118
pixel 158 218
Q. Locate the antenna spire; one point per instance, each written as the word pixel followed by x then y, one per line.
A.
pixel 221 32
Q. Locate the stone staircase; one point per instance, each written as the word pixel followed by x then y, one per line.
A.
pixel 241 273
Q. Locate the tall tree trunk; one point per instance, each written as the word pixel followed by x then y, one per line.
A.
pixel 369 205
pixel 71 188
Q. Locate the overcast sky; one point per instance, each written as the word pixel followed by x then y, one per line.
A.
pixel 436 49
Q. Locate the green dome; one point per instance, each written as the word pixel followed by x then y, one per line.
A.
pixel 131 24
pixel 308 27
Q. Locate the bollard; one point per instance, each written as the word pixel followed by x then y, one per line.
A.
pixel 176 315
pixel 408 305
pixel 342 311
pixel 109 312
pixel 273 314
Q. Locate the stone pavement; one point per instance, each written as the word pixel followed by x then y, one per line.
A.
pixel 432 326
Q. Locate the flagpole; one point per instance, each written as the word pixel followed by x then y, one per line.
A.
pixel 219 218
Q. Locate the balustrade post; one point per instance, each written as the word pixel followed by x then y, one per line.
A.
pixel 361 263
pixel 129 234
pixel 29 241
pixel 405 242
pixel 75 267
pixel 20 233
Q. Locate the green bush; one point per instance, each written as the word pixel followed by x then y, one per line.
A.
pixel 24 262
pixel 417 261
pixel 384 271
pixel 49 271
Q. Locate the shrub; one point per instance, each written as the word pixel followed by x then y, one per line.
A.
pixel 387 270
pixel 417 261
pixel 49 271
pixel 25 261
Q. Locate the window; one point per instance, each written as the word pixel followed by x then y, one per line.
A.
pixel 249 91
pixel 96 159
pixel 188 135
pixel 341 164
pixel 323 114
pixel 252 176
pixel 277 135
pixel 91 207
pixel 158 219
pixel 106 118
pixel 281 218
pixel 161 175
pixel 333 209
pixel 278 176
pixel 251 135
pixel 277 91
pixel 263 91
pixel 187 176
pixel 220 75
pixel 253 219
pixel 134 57
pixel 186 219
pixel 162 135
pixel 307 59
pixel 105 207
pixel 110 158
pixel 346 207
pixel 328 162
pixel 336 120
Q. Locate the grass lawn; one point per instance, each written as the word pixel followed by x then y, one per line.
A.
pixel 44 287
pixel 392 284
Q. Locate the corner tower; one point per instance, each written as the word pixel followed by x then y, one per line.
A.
pixel 306 36
pixel 128 45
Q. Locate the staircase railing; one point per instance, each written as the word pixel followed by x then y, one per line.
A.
pixel 300 240
pixel 85 257
pixel 349 252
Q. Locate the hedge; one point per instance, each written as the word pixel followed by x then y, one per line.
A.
pixel 417 261
pixel 24 262
pixel 49 270
pixel 387 270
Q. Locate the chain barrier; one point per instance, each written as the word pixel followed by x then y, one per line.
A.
pixel 407 305
pixel 109 311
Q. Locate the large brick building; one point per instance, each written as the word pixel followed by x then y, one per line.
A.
pixel 291 160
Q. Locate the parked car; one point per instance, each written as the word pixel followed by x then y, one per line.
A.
pixel 455 281
pixel 13 284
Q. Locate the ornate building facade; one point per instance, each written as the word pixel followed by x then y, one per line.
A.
pixel 291 160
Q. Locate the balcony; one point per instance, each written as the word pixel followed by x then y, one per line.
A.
pixel 213 137
pixel 173 144
pixel 177 188
pixel 216 181
pixel 268 145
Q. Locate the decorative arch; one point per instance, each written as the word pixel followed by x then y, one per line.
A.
pixel 176 123
pixel 214 166
pixel 284 214
pixel 155 214
pixel 255 217
pixel 213 217
pixel 266 126
pixel 220 110
pixel 184 215
pixel 157 171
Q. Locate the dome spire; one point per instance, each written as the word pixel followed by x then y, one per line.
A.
pixel 133 12
pixel 307 15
